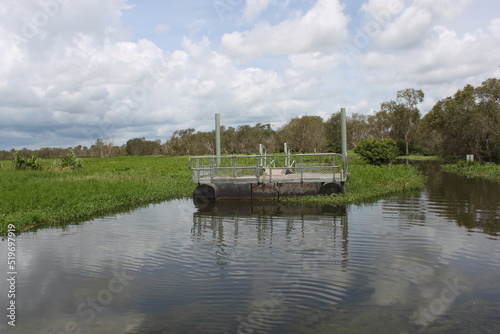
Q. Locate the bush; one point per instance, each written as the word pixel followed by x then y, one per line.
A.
pixel 70 162
pixel 33 162
pixel 377 152
pixel 332 147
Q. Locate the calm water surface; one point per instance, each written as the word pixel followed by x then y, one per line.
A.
pixel 424 263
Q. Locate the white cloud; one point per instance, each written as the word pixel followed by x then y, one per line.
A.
pixel 73 79
pixel 323 27
pixel 382 10
pixel 403 27
pixel 254 8
pixel 494 28
pixel 444 63
pixel 446 58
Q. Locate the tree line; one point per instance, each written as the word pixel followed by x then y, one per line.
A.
pixel 466 123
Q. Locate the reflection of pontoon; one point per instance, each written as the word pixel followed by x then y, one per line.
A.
pixel 321 229
pixel 265 208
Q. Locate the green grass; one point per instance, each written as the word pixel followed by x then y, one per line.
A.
pixel 490 172
pixel 420 157
pixel 367 182
pixel 105 186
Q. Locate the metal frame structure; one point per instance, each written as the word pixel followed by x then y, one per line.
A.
pixel 269 168
pixel 268 175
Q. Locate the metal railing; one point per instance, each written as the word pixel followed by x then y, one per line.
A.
pixel 269 168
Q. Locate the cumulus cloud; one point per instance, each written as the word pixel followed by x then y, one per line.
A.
pixel 323 27
pixel 443 58
pixel 68 79
pixel 86 85
pixel 402 26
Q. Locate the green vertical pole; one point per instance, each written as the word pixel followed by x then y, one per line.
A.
pixel 343 131
pixel 217 138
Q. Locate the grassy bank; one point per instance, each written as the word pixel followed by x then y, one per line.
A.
pixel 367 182
pixel 419 157
pixel 490 172
pixel 105 186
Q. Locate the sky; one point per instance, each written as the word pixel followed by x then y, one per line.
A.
pixel 73 71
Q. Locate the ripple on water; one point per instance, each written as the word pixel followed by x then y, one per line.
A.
pixel 220 271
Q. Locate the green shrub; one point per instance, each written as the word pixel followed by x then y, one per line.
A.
pixel 70 162
pixel 32 163
pixel 332 147
pixel 377 152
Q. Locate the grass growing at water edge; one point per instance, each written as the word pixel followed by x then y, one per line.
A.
pixel 368 182
pixel 474 169
pixel 109 185
pixel 54 197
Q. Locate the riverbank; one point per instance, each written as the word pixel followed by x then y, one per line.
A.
pixel 490 172
pixel 367 182
pixel 109 185
pixel 104 186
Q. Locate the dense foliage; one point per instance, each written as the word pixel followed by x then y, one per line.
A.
pixel 70 162
pixel 141 146
pixel 31 163
pixel 377 152
pixel 467 123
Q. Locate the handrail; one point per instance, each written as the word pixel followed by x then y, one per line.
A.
pixel 295 168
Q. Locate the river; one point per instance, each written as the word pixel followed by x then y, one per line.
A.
pixel 425 262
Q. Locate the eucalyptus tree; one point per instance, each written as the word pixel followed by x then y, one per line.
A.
pixel 404 115
pixel 469 121
pixel 304 134
pixel 357 128
pixel 380 125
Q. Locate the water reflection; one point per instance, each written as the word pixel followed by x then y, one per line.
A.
pixel 225 221
pixel 298 256
pixel 470 202
pixel 403 264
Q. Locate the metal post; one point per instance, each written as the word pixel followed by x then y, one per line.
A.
pixel 212 170
pixel 287 156
pixel 343 131
pixel 217 137
pixel 261 154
